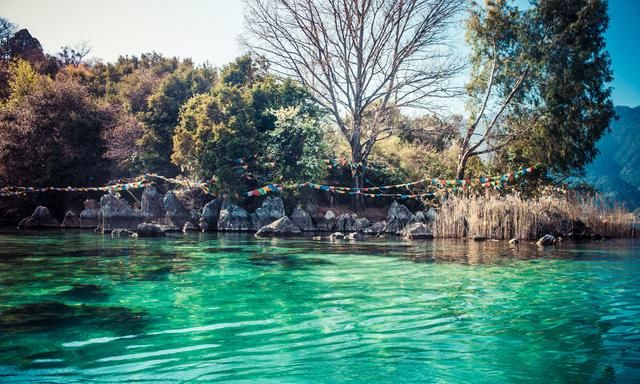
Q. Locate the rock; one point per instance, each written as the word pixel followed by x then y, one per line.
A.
pixel 40 218
pixel 176 213
pixel 170 228
pixel 397 218
pixel 479 238
pixel 90 215
pixel 116 213
pixel 327 222
pixel 346 222
pixel 418 217
pixel 121 232
pixel 362 223
pixel 376 228
pixel 514 241
pixel 316 238
pixel 417 231
pixel 352 236
pixel 431 214
pixel 71 220
pixel 189 227
pixel 271 209
pixel 211 214
pixel 546 240
pixel 151 204
pixel 150 230
pixel 302 219
pixel 281 227
pixel 233 218
pixel 336 236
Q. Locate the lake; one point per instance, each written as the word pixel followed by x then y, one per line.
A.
pixel 82 307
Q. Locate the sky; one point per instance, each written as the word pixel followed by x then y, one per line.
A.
pixel 208 30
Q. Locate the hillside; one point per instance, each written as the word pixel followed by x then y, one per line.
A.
pixel 616 171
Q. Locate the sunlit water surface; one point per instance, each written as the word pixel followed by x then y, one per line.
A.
pixel 80 307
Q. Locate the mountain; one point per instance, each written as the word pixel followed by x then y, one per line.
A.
pixel 616 170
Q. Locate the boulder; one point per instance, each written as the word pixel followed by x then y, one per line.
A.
pixel 397 218
pixel 417 231
pixel 150 230
pixel 352 236
pixel 210 214
pixel 71 220
pixel 40 218
pixel 514 241
pixel 479 238
pixel 418 217
pixel 189 227
pixel 281 227
pixel 546 240
pixel 336 236
pixel 176 213
pixel 327 222
pixel 151 205
pixel 170 228
pixel 302 219
pixel 362 223
pixel 116 213
pixel 90 215
pixel 431 214
pixel 271 209
pixel 121 232
pixel 376 228
pixel 346 222
pixel 233 218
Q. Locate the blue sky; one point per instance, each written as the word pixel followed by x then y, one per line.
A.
pixel 207 30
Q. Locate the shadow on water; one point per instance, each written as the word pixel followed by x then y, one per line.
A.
pixel 85 292
pixel 287 261
pixel 53 316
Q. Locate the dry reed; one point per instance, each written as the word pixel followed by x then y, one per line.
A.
pixel 506 217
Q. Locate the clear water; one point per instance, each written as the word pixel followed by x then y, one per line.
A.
pixel 80 307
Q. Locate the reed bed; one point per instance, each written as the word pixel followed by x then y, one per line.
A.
pixel 506 217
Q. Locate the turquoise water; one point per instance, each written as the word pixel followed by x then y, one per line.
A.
pixel 80 307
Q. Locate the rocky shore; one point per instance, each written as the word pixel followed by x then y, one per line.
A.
pixel 157 214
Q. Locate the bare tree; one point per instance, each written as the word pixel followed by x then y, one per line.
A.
pixel 359 57
pixel 74 55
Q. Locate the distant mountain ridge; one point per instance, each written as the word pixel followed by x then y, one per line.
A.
pixel 616 170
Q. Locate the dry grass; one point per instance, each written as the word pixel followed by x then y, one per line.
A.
pixel 507 217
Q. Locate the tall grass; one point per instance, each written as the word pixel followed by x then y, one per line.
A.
pixel 506 217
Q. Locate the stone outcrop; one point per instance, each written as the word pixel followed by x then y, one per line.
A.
pixel 233 218
pixel 40 218
pixel 210 214
pixel 417 231
pixel 281 227
pixel 346 223
pixel 151 205
pixel 327 222
pixel 90 215
pixel 362 223
pixel 546 240
pixel 302 219
pixel 150 230
pixel 116 213
pixel 376 228
pixel 397 218
pixel 176 213
pixel 431 214
pixel 71 220
pixel 271 209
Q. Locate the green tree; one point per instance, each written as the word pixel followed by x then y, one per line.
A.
pixel 538 86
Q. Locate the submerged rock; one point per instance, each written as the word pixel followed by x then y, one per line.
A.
pixel 417 231
pixel 281 227
pixel 150 230
pixel 302 219
pixel 211 214
pixel 40 218
pixel 121 232
pixel 233 218
pixel 90 215
pixel 71 220
pixel 546 240
pixel 397 218
pixel 271 209
pixel 336 236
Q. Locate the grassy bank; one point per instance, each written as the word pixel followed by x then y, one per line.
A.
pixel 510 217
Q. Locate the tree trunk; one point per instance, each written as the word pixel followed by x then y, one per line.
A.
pixel 357 172
pixel 462 165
